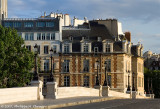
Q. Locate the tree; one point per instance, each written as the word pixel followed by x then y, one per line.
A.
pixel 16 61
pixel 152 81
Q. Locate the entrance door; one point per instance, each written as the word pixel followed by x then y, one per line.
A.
pixel 66 81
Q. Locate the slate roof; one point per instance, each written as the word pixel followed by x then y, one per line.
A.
pixel 97 44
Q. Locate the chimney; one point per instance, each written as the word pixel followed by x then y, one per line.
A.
pixel 128 36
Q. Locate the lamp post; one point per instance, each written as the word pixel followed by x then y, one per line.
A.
pixel 133 88
pixel 51 74
pixel 151 85
pixel 35 76
pixel 105 81
pixel 97 81
pixel 128 89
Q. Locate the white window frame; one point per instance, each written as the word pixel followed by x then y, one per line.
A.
pixel 66 48
pixel 46 65
pixel 85 48
pixel 108 48
pixel 45 49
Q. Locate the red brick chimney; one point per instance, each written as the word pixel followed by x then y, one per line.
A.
pixel 128 36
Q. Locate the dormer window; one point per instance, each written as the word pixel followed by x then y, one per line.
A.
pixel 83 38
pixel 86 48
pixel 71 38
pixel 66 48
pixel 108 48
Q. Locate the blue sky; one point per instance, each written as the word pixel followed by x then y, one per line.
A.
pixel 140 17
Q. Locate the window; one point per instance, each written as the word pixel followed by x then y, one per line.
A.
pixel 54 49
pixel 96 49
pixel 108 48
pixel 66 81
pixel 43 36
pixel 40 24
pixel 53 36
pixel 45 49
pixel 16 24
pixel 26 36
pixel 86 81
pixel 86 65
pixel 31 36
pixel 49 24
pixel 66 48
pixel 39 49
pixel 46 65
pixel 108 66
pixel 8 24
pixel 66 66
pixel 28 24
pixel 38 36
pixel 86 48
pixel 48 36
pixel 109 80
pixel 28 47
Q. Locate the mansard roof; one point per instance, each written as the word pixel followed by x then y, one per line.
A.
pixel 95 30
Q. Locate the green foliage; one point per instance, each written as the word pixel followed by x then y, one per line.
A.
pixel 16 61
pixel 155 77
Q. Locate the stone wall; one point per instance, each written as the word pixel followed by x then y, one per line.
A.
pixel 8 95
pixel 138 69
pixel 65 92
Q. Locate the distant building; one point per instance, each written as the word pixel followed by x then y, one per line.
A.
pixel 152 60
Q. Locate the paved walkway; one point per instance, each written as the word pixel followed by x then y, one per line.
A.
pixel 54 103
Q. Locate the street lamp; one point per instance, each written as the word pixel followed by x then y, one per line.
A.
pixel 133 88
pixel 128 89
pixel 97 81
pixel 51 74
pixel 151 85
pixel 35 76
pixel 105 81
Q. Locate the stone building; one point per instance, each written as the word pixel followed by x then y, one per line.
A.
pixel 151 60
pixel 3 9
pixel 81 51
pixel 138 67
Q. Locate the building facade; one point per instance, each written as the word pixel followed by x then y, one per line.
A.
pixel 83 52
pixel 3 9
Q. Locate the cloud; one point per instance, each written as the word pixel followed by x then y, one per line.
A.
pixel 141 17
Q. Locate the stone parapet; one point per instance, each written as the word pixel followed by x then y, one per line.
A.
pixel 51 90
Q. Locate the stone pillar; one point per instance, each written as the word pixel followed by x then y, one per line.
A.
pixel 134 94
pixel 39 90
pixel 105 91
pixel 51 90
pixel 100 89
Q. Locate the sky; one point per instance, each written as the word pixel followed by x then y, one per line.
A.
pixel 140 17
